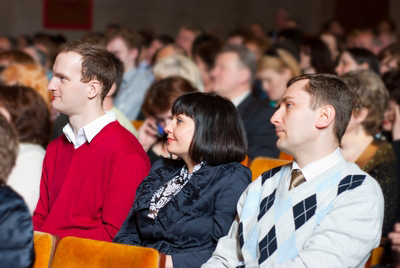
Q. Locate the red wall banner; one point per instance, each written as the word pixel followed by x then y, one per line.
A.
pixel 68 14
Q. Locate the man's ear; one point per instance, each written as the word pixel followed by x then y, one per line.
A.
pixel 94 89
pixel 133 53
pixel 326 117
pixel 244 75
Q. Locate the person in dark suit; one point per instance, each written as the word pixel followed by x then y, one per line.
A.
pixel 184 206
pixel 233 74
pixel 16 229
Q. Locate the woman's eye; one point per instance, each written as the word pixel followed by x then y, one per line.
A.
pixel 178 120
pixel 288 105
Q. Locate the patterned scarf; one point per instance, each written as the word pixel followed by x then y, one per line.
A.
pixel 169 189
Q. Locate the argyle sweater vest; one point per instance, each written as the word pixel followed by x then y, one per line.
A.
pixel 274 223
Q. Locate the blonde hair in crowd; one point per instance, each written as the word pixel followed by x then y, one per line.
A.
pixel 29 75
pixel 178 65
pixel 284 61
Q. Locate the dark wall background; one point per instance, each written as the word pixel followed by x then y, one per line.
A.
pixel 165 16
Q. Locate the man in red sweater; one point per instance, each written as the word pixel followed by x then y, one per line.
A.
pixel 91 173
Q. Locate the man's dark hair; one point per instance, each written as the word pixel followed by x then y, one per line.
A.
pixel 219 135
pixel 204 39
pixel 321 59
pixel 329 89
pixel 29 114
pixel 246 58
pixel 8 149
pixel 119 68
pixel 165 39
pixel 391 79
pixel 295 35
pixel 131 38
pixel 362 55
pixel 96 63
pixel 207 51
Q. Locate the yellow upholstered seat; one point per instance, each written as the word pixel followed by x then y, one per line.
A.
pixel 80 252
pixel 262 164
pixel 45 245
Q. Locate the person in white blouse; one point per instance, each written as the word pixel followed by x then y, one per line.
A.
pixel 30 115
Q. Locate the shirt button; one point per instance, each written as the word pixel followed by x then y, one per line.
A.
pixel 152 222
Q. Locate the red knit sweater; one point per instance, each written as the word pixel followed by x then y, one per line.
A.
pixel 88 192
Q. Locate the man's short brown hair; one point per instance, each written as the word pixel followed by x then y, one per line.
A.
pixel 8 149
pixel 131 38
pixel 96 63
pixel 328 89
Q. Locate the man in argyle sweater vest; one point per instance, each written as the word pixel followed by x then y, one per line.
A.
pixel 331 217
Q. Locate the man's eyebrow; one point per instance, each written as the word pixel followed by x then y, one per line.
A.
pixel 285 99
pixel 60 75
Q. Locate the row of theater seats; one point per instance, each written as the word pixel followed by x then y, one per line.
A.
pixel 79 252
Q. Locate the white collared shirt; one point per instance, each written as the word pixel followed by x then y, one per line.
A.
pixel 88 132
pixel 317 167
pixel 236 101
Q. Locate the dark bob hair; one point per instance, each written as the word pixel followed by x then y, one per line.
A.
pixel 29 114
pixel 361 55
pixel 219 135
pixel 321 59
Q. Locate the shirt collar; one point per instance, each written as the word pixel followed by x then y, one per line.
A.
pixel 88 132
pixel 236 101
pixel 129 75
pixel 317 167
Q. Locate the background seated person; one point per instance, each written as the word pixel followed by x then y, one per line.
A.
pixel 184 206
pixel 377 158
pixel 31 118
pixel 157 108
pixel 353 59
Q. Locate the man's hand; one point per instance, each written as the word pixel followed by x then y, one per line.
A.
pixel 165 261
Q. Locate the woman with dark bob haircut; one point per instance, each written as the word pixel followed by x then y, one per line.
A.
pixel 355 59
pixel 184 206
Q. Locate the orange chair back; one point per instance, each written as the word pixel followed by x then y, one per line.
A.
pixel 285 156
pixel 137 123
pixel 262 164
pixel 245 162
pixel 81 252
pixel 45 245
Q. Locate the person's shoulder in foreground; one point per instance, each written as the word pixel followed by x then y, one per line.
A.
pixel 319 211
pixel 16 230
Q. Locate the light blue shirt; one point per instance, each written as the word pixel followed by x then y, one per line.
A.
pixel 131 94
